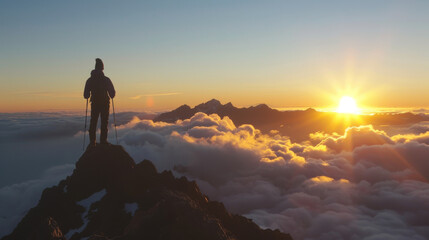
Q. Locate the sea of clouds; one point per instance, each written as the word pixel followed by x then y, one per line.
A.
pixel 365 183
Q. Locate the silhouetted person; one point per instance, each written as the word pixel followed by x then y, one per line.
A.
pixel 100 89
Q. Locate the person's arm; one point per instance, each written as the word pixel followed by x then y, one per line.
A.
pixel 87 90
pixel 110 88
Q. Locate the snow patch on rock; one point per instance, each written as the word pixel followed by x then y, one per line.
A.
pixel 86 203
pixel 131 208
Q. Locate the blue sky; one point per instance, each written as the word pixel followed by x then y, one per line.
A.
pixel 278 52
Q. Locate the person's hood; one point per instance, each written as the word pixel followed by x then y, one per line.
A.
pixel 97 73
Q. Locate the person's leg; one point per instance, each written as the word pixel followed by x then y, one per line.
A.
pixel 104 122
pixel 93 124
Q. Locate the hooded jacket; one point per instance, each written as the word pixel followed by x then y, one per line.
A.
pixel 99 88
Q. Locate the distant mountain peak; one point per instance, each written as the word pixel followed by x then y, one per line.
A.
pixel 311 110
pixel 210 106
pixel 108 196
pixel 262 106
pixel 184 106
pixel 229 105
pixel 213 102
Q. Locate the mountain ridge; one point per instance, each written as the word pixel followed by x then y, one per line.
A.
pixel 297 124
pixel 109 196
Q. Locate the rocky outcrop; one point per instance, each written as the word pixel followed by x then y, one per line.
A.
pixel 108 196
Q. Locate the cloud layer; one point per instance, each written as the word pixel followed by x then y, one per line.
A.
pixel 364 184
pixel 17 199
pixel 36 151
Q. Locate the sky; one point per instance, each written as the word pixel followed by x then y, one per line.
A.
pixel 162 54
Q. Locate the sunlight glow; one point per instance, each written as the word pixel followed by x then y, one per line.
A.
pixel 347 105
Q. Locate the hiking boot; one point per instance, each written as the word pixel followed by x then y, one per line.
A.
pixel 105 143
pixel 91 145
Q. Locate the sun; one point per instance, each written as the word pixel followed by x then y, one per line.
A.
pixel 347 105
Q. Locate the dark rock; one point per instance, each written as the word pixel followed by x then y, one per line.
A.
pixel 108 196
pixel 209 107
pixel 51 230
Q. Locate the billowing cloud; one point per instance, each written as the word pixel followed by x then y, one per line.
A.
pixel 36 151
pixel 17 199
pixel 355 137
pixel 364 184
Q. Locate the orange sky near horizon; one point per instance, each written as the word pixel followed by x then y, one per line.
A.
pixel 162 56
pixel 136 93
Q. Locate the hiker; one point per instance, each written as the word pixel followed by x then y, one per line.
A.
pixel 100 89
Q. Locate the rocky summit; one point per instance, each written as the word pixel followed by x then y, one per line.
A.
pixel 109 196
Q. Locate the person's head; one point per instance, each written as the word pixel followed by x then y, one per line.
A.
pixel 99 64
pixel 97 73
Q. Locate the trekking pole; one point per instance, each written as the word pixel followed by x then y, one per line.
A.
pixel 84 131
pixel 114 121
